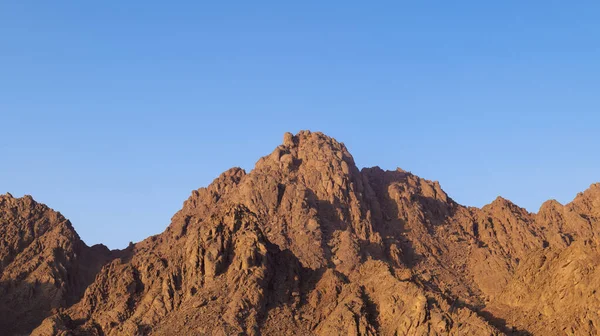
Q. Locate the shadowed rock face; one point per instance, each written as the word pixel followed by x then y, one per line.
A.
pixel 44 266
pixel 308 244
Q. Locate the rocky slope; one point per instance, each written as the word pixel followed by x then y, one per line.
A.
pixel 308 244
pixel 44 266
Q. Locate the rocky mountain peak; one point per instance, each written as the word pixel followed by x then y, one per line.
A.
pixel 44 266
pixel 306 243
pixel 590 197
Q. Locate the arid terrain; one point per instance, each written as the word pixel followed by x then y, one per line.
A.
pixel 308 244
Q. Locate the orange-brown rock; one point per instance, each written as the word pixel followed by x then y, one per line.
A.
pixel 308 244
pixel 44 266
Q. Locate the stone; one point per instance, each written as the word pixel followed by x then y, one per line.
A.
pixel 307 244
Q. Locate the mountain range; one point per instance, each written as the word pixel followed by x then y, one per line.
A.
pixel 308 244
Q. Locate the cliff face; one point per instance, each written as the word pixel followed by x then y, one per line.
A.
pixel 306 243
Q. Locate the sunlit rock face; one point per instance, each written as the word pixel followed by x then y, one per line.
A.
pixel 308 244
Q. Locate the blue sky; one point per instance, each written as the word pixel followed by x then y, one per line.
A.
pixel 112 112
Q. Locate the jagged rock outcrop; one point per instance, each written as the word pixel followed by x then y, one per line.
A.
pixel 308 244
pixel 44 266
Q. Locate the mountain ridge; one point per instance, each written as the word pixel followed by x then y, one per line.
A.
pixel 307 243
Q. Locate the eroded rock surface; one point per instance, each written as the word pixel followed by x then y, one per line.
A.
pixel 308 244
pixel 44 266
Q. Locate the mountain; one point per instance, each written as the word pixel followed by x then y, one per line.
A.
pixel 308 244
pixel 44 265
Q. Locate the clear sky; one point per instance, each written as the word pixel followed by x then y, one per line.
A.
pixel 113 111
